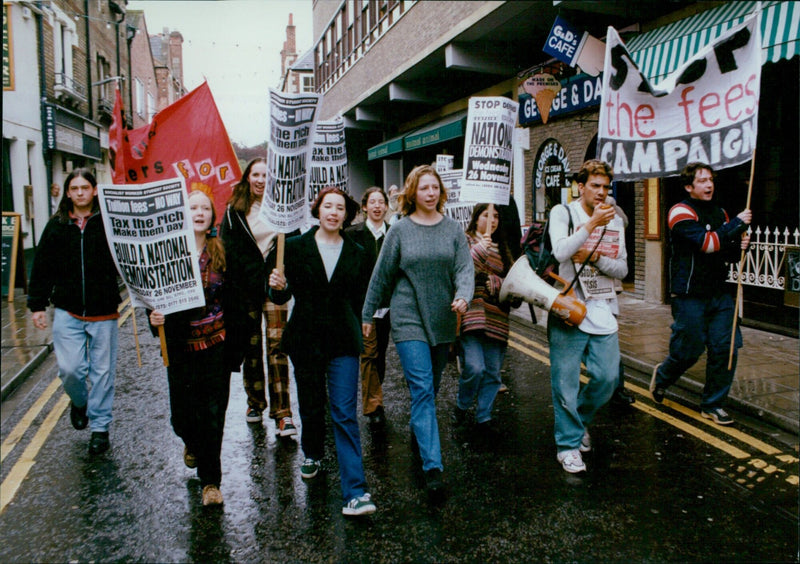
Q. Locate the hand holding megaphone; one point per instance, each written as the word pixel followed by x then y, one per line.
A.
pixel 522 282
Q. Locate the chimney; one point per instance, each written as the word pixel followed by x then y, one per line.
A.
pixel 289 50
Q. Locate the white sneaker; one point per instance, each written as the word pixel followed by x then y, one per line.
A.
pixel 653 377
pixel 571 461
pixel 586 442
pixel 359 506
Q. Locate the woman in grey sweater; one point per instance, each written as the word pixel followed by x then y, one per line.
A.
pixel 425 272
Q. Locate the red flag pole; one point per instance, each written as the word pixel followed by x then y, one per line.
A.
pixel 741 267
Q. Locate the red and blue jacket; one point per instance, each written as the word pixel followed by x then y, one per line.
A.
pixel 703 240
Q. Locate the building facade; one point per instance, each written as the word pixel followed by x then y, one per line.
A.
pixel 401 73
pixel 62 61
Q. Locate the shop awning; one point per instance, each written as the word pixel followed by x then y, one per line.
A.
pixel 661 51
pixel 390 147
pixel 450 127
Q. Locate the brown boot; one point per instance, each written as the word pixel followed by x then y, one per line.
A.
pixel 189 459
pixel 212 495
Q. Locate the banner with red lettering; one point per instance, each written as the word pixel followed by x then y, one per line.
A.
pixel 707 110
pixel 187 139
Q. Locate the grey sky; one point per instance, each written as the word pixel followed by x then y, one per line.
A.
pixel 235 45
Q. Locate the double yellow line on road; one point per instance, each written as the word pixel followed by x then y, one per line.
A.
pixel 540 353
pixel 19 471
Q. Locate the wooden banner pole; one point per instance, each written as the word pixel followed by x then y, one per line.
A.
pixel 163 338
pixel 741 267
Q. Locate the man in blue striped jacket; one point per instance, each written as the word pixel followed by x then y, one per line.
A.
pixel 703 240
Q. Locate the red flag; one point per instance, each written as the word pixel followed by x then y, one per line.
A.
pixel 187 138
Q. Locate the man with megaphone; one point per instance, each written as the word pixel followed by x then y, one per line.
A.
pixel 595 252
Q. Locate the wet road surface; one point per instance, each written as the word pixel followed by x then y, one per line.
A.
pixel 662 484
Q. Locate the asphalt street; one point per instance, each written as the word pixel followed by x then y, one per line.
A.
pixel 662 483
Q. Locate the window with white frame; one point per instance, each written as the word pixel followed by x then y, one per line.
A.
pixel 139 102
pixel 64 39
pixel 308 84
pixel 151 107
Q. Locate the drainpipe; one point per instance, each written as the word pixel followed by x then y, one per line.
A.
pixel 46 152
pixel 90 109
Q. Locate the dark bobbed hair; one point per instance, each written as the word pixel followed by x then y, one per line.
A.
pixel 241 198
pixel 500 236
pixel 372 190
pixel 408 197
pixel 65 205
pixel 592 167
pixel 350 205
pixel 688 172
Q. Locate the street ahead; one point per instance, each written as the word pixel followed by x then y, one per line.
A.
pixel 663 484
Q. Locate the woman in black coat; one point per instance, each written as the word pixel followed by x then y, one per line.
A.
pixel 247 241
pixel 327 273
pixel 370 234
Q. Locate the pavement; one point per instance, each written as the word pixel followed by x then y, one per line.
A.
pixel 767 383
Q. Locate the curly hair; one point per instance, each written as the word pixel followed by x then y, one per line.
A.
pixel 594 167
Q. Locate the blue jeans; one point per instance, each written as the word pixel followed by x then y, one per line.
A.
pixel 87 349
pixel 482 359
pixel 423 366
pixel 700 324
pixel 574 406
pixel 343 381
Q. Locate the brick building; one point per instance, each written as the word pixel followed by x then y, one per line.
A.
pixel 63 60
pixel 401 73
pixel 297 73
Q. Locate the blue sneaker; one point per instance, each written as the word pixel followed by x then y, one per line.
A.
pixel 359 506
pixel 309 468
pixel 717 415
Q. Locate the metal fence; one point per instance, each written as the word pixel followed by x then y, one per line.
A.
pixel 764 260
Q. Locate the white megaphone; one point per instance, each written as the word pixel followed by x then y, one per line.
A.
pixel 522 282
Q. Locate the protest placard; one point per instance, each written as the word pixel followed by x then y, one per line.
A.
pixel 707 110
pixel 151 237
pixel 328 159
pixel 455 208
pixel 293 119
pixel 488 150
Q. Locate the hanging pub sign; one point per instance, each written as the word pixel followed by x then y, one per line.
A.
pixel 575 94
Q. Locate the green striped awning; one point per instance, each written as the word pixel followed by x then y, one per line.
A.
pixel 661 51
pixel 385 149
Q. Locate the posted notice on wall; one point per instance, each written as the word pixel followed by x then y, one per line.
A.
pixel 707 110
pixel 488 150
pixel 151 237
pixel 455 208
pixel 292 123
pixel 328 159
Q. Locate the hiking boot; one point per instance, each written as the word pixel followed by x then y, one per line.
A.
pixel 359 506
pixel 285 427
pixel 77 416
pixel 571 461
pixel 622 397
pixel 717 415
pixel 212 495
pixel 460 416
pixel 309 468
pixel 99 442
pixel 253 415
pixel 434 484
pixel 586 442
pixel 189 459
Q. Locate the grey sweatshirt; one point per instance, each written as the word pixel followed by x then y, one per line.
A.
pixel 421 269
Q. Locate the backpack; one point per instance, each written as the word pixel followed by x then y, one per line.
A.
pixel 537 247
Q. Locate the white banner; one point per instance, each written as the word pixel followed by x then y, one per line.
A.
pixel 455 208
pixel 151 237
pixel 293 118
pixel 707 110
pixel 488 150
pixel 329 158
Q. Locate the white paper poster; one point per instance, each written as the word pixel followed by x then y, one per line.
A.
pixel 151 237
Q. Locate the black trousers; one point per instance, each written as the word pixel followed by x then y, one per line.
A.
pixel 199 385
